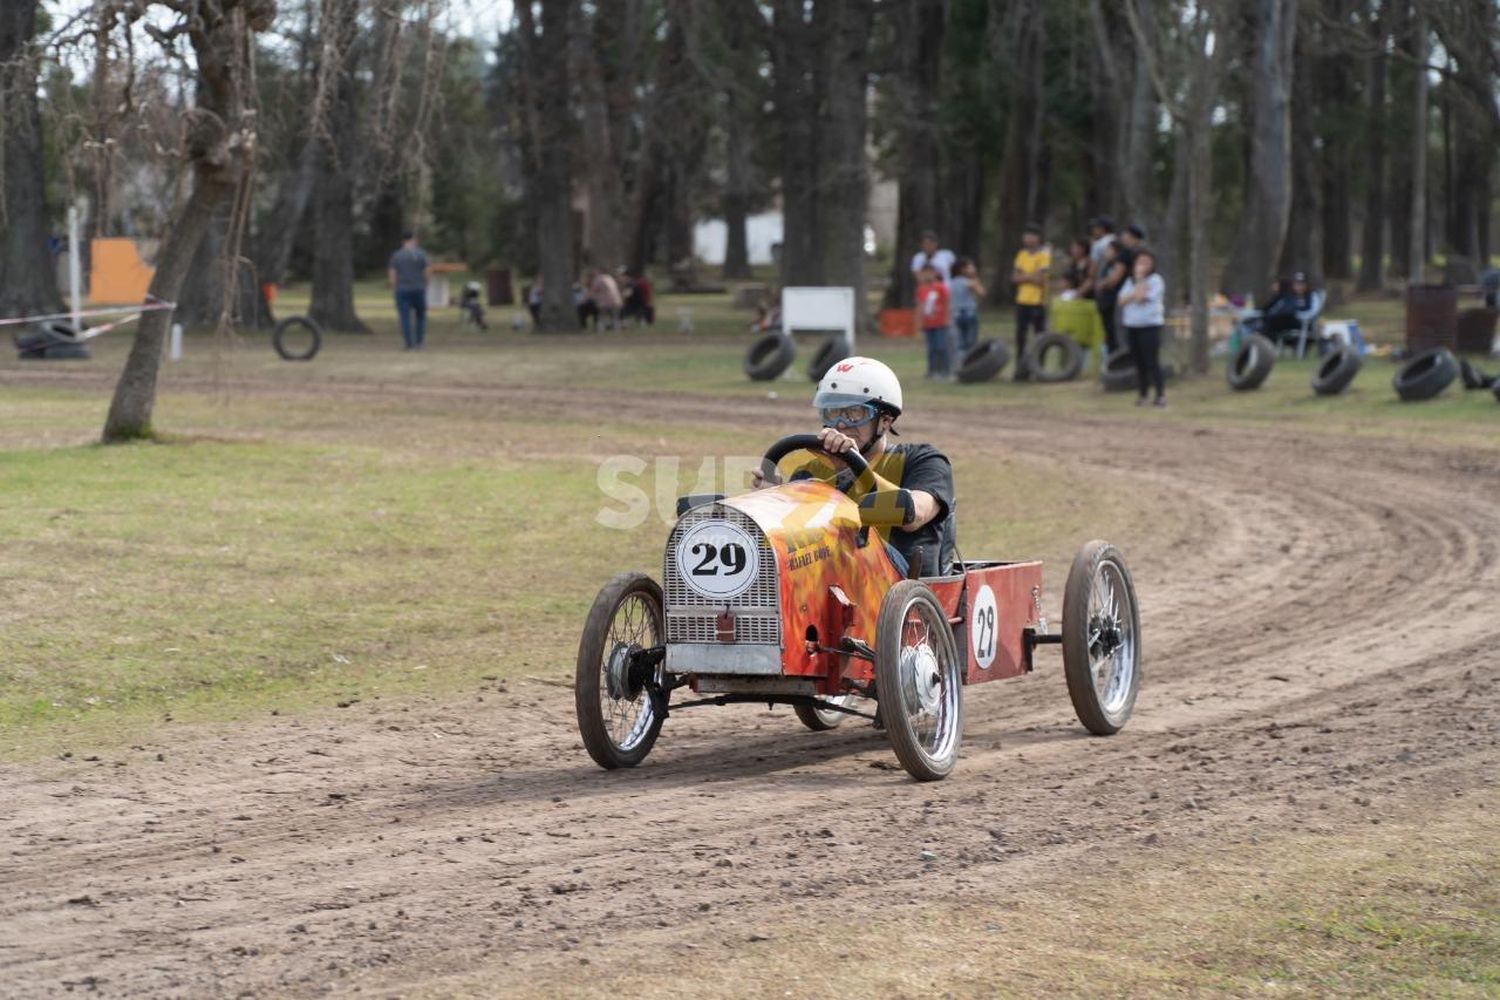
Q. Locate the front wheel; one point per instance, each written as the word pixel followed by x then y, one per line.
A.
pixel 920 679
pixel 1101 639
pixel 616 719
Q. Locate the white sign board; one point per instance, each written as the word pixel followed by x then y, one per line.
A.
pixel 821 309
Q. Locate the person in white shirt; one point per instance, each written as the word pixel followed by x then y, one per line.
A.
pixel 941 260
pixel 1143 310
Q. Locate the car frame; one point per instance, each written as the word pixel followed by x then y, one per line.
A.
pixel 787 595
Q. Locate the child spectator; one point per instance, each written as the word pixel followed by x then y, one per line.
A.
pixel 964 293
pixel 1142 305
pixel 934 310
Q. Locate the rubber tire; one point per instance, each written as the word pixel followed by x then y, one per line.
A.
pixel 1117 374
pixel 983 361
pixel 769 356
pixel 66 351
pixel 818 722
pixel 1076 666
pixel 834 349
pixel 586 674
pixel 287 324
pixel 913 758
pixel 1337 371
pixel 1425 375
pixel 1037 350
pixel 1249 366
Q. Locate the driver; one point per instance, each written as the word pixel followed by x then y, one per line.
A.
pixel 858 401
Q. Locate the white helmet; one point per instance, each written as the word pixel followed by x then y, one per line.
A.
pixel 859 380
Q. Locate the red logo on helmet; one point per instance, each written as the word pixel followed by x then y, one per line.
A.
pixel 843 367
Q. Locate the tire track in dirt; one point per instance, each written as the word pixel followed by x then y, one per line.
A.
pixel 419 841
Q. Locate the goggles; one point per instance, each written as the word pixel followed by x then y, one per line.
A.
pixel 848 417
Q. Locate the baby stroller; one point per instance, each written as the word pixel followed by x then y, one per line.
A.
pixel 473 308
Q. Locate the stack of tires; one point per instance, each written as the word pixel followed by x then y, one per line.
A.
pixel 52 341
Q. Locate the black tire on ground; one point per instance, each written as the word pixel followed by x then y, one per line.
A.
pixel 769 356
pixel 1249 366
pixel 1426 375
pixel 917 671
pixel 820 720
pixel 1336 371
pixel 297 338
pixel 601 673
pixel 1099 609
pixel 1045 344
pixel 66 351
pixel 1118 371
pixel 984 361
pixel 835 348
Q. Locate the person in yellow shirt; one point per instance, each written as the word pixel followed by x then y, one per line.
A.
pixel 1029 275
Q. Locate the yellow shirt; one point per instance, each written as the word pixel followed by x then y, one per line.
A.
pixel 1032 262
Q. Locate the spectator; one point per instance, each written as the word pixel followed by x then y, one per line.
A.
pixel 1142 307
pixel 534 301
pixel 639 303
pixel 1101 235
pixel 1287 311
pixel 1078 280
pixel 588 310
pixel 606 298
pixel 1029 274
pixel 1111 275
pixel 407 273
pixel 934 309
pixel 964 293
pixel 1131 240
pixel 941 260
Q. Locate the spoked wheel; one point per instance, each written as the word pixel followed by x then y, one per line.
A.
pixel 1101 633
pixel 822 719
pixel 618 723
pixel 920 679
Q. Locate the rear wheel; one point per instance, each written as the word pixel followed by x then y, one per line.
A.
pixel 616 719
pixel 1101 632
pixel 920 679
pixel 823 719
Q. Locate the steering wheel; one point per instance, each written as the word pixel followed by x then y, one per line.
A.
pixel 809 442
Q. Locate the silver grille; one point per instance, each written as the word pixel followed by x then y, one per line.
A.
pixel 691 617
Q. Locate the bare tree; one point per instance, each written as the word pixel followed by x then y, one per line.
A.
pixel 28 285
pixel 218 145
pixel 1194 62
pixel 544 54
pixel 332 304
pixel 1268 189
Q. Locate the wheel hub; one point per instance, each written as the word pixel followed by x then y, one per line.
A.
pixel 1106 628
pixel 924 687
pixel 617 673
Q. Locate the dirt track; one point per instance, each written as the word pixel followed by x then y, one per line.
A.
pixel 1321 627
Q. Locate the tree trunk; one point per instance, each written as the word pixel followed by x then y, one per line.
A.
pixel 1171 243
pixel 918 28
pixel 28 281
pixel 1417 254
pixel 843 134
pixel 794 50
pixel 332 305
pixel 201 303
pixel 1268 187
pixel 1018 180
pixel 1301 250
pixel 602 243
pixel 1372 241
pixel 545 53
pixel 1138 139
pixel 273 247
pixel 218 143
pixel 1340 153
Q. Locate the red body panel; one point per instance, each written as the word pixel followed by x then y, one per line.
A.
pixel 831 585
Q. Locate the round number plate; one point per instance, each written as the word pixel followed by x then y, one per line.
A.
pixel 717 559
pixel 982 627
